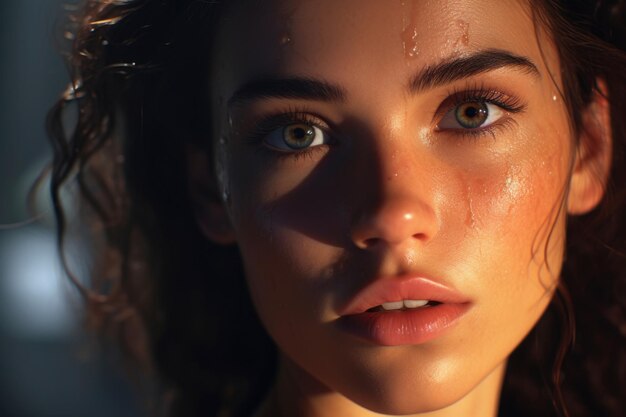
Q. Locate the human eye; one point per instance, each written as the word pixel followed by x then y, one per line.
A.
pixel 476 111
pixel 292 133
pixel 296 137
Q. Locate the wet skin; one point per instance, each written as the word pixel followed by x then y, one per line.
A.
pixel 393 184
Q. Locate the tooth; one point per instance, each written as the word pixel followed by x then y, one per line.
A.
pixel 415 303
pixel 394 305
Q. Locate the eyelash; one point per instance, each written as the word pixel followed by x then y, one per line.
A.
pixel 455 98
pixel 293 115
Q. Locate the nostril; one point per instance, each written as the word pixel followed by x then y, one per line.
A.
pixel 372 241
pixel 394 220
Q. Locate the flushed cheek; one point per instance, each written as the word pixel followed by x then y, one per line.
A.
pixel 511 197
pixel 500 223
pixel 514 208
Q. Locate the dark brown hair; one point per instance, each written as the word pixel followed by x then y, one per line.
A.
pixel 139 89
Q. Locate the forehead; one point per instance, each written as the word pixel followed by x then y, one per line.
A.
pixel 357 41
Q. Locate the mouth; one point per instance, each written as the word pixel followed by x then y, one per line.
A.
pixel 403 305
pixel 403 311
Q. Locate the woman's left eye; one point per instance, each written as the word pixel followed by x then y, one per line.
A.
pixel 471 115
pixel 296 137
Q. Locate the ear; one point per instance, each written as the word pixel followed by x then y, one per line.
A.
pixel 209 209
pixel 593 154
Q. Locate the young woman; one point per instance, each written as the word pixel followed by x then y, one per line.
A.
pixel 356 208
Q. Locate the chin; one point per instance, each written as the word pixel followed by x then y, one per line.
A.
pixel 408 395
pixel 411 403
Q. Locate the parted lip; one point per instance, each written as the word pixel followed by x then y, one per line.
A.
pixel 406 287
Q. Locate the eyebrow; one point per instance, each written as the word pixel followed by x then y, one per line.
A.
pixel 453 69
pixel 295 88
pixel 442 73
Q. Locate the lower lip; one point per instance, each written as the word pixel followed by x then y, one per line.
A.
pixel 404 327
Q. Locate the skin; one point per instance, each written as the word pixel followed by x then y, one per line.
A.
pixel 393 193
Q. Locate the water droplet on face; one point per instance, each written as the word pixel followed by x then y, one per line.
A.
pixel 409 33
pixel 222 140
pixel 513 187
pixel 470 218
pixel 285 39
pixel 463 39
pixel 554 97
pixel 105 42
pixel 225 195
pixel 413 51
pixel 409 42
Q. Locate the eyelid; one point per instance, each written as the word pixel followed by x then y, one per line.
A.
pixel 494 112
pixel 268 124
pixel 275 139
pixel 258 133
pixel 508 103
pixel 274 121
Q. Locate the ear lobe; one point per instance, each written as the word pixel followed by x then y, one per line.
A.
pixel 593 155
pixel 209 210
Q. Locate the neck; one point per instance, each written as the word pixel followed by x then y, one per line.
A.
pixel 297 394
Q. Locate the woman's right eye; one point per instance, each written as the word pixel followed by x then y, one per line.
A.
pixel 296 137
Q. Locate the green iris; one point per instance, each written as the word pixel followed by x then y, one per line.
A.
pixel 298 136
pixel 472 114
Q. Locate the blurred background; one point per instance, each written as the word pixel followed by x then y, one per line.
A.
pixel 49 367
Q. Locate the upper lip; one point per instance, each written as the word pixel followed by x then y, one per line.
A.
pixel 408 287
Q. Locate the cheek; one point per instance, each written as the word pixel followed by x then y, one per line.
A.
pixel 515 232
pixel 287 231
pixel 287 204
pixel 519 195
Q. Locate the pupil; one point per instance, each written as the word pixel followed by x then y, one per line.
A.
pixel 471 112
pixel 299 133
pixel 298 136
pixel 472 115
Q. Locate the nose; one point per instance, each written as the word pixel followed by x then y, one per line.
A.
pixel 397 206
pixel 394 220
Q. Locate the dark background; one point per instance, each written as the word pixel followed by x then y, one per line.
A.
pixel 49 367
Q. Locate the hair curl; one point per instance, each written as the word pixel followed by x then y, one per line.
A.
pixel 164 290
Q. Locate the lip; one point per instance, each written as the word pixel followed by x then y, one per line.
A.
pixel 403 327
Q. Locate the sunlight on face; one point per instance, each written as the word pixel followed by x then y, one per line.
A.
pixel 369 147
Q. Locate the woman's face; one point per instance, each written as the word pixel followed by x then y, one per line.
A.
pixel 372 152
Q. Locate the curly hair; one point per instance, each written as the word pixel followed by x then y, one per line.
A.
pixel 164 291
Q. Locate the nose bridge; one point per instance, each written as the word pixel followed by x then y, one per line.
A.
pixel 397 203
